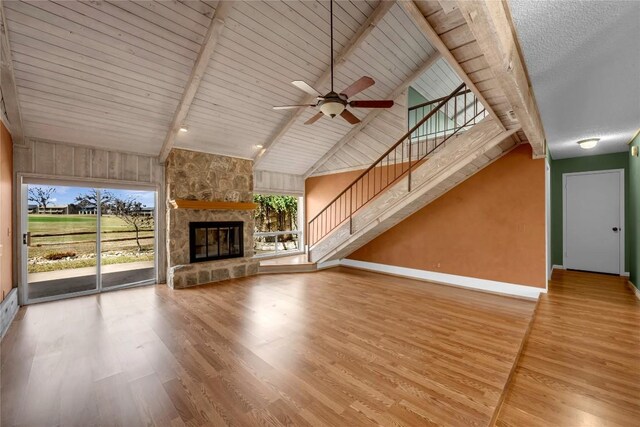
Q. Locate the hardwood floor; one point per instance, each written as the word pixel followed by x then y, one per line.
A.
pixel 340 347
pixel 581 363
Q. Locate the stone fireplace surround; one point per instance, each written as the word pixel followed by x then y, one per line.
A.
pixel 205 177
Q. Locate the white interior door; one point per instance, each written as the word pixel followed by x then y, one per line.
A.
pixel 593 219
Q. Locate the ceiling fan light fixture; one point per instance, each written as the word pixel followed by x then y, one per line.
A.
pixel 332 108
pixel 587 144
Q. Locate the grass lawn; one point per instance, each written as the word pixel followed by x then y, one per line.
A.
pixel 117 247
pixel 51 224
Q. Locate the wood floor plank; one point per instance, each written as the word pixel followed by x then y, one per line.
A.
pixel 581 362
pixel 336 347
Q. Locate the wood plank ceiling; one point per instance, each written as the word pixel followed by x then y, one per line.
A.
pixel 454 32
pixel 101 73
pixel 369 144
pixel 393 49
pixel 111 73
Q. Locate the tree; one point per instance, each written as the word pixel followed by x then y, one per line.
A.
pixel 41 195
pixel 131 212
pixel 282 209
pixel 89 200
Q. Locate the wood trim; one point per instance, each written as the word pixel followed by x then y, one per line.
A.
pixel 8 84
pixel 512 371
pixel 635 290
pixel 635 135
pixel 413 11
pixel 199 68
pixel 492 28
pixel 362 33
pixel 374 113
pixel 204 204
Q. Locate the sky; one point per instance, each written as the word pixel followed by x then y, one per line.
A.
pixel 65 195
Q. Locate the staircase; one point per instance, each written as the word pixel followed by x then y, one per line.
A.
pixel 453 140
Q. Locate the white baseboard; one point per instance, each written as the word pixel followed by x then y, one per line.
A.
pixel 634 289
pixel 449 279
pixel 625 274
pixel 557 267
pixel 8 310
pixel 328 264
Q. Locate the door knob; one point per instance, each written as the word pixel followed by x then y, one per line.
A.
pixel 615 229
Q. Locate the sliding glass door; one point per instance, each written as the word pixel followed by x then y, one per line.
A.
pixel 127 237
pixel 61 243
pixel 82 240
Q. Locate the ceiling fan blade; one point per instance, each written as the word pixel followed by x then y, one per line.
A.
pixel 292 107
pixel 305 87
pixel 314 118
pixel 371 104
pixel 348 116
pixel 358 86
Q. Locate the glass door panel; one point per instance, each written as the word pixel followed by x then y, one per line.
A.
pixel 60 242
pixel 127 236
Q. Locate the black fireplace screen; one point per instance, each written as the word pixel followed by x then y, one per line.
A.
pixel 215 240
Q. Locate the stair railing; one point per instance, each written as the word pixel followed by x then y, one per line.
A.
pixel 444 118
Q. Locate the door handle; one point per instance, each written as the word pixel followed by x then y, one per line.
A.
pixel 615 229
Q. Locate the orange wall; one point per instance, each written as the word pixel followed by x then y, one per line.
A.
pixel 320 190
pixel 491 226
pixel 6 209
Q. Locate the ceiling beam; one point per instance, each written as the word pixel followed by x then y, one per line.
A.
pixel 433 37
pixel 8 84
pixel 378 14
pixel 491 24
pixel 374 113
pixel 199 68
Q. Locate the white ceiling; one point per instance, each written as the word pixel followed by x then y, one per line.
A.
pixel 583 59
pixel 111 73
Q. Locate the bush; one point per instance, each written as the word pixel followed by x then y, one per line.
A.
pixel 60 255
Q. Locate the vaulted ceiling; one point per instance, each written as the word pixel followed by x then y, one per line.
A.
pixel 112 73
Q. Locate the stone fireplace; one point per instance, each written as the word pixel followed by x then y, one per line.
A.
pixel 208 197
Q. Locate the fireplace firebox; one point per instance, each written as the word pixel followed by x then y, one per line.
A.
pixel 209 241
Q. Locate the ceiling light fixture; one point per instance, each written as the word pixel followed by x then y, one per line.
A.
pixel 587 144
pixel 259 145
pixel 184 129
pixel 332 107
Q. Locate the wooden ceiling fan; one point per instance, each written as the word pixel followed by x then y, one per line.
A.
pixel 333 104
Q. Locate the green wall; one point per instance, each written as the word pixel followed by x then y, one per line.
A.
pixel 586 164
pixel 415 98
pixel 634 215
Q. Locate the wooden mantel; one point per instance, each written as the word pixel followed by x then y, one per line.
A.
pixel 205 204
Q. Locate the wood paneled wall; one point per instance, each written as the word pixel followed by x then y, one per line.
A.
pixel 266 182
pixel 72 161
pixel 6 211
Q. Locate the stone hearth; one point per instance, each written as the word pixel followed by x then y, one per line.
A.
pixel 192 175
